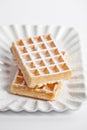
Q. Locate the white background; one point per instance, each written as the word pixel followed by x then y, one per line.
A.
pixel 60 12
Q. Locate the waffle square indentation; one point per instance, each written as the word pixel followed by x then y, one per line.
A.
pixel 58 59
pixel 26 57
pixel 34 72
pixel 40 63
pixel 23 50
pixel 35 56
pixel 29 41
pixel 51 44
pixel 45 54
pixel 55 51
pixel 44 71
pixel 20 73
pixel 20 43
pixel 49 61
pixel 32 48
pixel 47 37
pixel 19 80
pixel 54 69
pixel 41 46
pixel 38 39
pixel 63 67
pixel 50 87
pixel 30 65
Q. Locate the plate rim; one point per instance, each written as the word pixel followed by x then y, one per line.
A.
pixel 52 109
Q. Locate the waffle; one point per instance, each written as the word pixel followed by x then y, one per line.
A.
pixel 45 92
pixel 40 60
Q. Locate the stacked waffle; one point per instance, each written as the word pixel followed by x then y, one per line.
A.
pixel 41 67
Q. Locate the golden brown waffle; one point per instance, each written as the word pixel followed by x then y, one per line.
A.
pixel 40 61
pixel 45 92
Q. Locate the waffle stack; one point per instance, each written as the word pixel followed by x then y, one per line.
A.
pixel 41 67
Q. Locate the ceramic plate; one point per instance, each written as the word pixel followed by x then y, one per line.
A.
pixel 73 92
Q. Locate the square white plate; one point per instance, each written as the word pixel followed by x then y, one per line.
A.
pixel 73 92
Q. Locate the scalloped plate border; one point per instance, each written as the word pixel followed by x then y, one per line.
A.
pixel 72 94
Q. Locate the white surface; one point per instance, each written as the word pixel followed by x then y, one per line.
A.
pixel 64 12
pixel 73 92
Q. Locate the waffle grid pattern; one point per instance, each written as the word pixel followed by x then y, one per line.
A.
pixel 41 56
